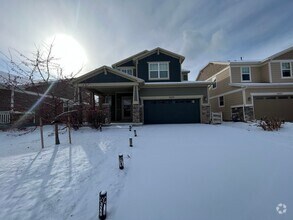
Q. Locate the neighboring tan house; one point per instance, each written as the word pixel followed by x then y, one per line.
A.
pixel 246 90
pixel 149 87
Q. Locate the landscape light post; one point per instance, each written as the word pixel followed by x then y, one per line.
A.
pixel 130 142
pixel 121 163
pixel 102 204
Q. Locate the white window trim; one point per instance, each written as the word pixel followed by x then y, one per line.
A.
pixel 245 73
pixel 159 78
pixel 219 103
pixel 126 68
pixel 69 105
pixel 286 77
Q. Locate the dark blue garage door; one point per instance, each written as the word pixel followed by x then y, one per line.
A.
pixel 171 111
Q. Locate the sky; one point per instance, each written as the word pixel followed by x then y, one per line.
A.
pixel 104 32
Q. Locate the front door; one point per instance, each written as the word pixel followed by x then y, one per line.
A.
pixel 126 108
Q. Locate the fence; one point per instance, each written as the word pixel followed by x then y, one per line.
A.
pixel 4 117
pixel 217 118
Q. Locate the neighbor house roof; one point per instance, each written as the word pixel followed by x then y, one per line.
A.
pixel 278 54
pixel 160 50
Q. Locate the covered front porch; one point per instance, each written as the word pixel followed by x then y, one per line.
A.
pixel 119 104
pixel 118 95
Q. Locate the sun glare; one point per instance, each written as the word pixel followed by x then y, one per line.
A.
pixel 70 54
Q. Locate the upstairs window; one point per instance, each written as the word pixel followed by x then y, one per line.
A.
pixel 127 70
pixel 159 70
pixel 245 74
pixel 286 69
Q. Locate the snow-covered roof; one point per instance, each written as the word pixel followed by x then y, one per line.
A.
pixel 178 84
pixel 261 84
pixel 185 71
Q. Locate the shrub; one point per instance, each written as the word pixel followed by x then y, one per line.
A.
pixel 270 123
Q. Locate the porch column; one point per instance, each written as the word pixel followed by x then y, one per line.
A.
pixel 135 106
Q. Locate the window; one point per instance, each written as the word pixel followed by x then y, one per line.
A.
pixel 67 106
pixel 184 77
pixel 214 80
pixel 245 74
pixel 127 70
pixel 286 69
pixel 221 101
pixel 159 70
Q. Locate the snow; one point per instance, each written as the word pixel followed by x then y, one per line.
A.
pixel 190 171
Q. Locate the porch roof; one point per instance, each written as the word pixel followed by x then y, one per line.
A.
pixel 106 75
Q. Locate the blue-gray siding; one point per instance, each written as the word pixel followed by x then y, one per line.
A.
pixel 174 67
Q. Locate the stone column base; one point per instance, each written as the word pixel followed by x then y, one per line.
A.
pixel 205 114
pixel 136 113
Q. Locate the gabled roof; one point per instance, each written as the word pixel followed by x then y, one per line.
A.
pixel 160 50
pixel 212 62
pixel 103 69
pixel 129 58
pixel 278 54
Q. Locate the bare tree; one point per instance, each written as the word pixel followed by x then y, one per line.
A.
pixel 41 74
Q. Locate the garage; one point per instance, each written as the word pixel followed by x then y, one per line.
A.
pixel 172 111
pixel 273 106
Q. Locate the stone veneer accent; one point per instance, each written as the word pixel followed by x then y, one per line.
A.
pixel 205 114
pixel 107 112
pixel 248 110
pixel 237 114
pixel 136 116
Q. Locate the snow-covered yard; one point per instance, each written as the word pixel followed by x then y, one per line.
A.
pixel 229 171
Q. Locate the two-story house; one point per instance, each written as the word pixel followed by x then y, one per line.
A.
pixel 149 87
pixel 245 90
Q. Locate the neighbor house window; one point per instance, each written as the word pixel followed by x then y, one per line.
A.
pixel 159 70
pixel 184 77
pixel 127 70
pixel 245 74
pixel 214 80
pixel 221 101
pixel 67 106
pixel 286 69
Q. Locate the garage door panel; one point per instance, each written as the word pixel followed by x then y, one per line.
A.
pixel 274 106
pixel 171 111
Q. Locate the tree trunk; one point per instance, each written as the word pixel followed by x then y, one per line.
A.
pixel 57 141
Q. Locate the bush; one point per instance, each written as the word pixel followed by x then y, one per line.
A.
pixel 271 124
